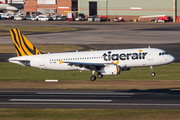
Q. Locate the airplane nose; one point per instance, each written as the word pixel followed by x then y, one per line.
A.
pixel 171 58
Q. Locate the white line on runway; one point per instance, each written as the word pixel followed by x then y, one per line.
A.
pixel 109 104
pixel 57 100
pixel 87 93
pixel 90 96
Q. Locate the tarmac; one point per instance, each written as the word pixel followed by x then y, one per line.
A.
pixel 105 35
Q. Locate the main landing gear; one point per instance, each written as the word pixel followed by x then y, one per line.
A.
pixel 152 69
pixel 93 77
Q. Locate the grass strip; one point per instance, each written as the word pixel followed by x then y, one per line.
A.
pixel 7 48
pixel 4 30
pixel 10 72
pixel 19 77
pixel 88 114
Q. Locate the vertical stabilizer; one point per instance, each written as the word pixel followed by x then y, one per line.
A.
pixel 22 45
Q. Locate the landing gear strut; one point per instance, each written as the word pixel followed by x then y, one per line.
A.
pixel 152 69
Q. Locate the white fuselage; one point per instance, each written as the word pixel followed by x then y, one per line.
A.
pixel 139 57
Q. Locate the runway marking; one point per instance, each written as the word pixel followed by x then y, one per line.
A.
pixel 57 100
pixel 88 93
pixel 69 96
pixel 109 104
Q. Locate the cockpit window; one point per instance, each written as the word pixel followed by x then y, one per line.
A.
pixel 163 53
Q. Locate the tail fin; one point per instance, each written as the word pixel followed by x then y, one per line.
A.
pixel 22 45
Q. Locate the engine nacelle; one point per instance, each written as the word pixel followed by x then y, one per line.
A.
pixel 111 70
pixel 125 69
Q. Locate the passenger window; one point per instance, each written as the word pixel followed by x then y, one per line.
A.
pixel 160 54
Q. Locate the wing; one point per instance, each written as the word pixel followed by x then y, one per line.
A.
pixel 86 65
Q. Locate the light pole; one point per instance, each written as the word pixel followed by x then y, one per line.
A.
pixel 26 5
pixel 107 8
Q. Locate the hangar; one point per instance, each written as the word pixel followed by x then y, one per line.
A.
pixel 130 9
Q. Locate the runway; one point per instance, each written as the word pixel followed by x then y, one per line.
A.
pixel 90 99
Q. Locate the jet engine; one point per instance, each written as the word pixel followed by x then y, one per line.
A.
pixel 111 70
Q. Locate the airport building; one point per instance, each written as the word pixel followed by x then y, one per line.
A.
pixel 49 6
pixel 129 9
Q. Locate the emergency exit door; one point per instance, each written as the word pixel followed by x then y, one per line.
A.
pixel 92 8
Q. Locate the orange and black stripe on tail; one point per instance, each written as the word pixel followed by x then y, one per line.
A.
pixel 22 45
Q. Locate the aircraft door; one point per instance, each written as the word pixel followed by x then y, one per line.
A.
pixel 150 55
pixel 41 61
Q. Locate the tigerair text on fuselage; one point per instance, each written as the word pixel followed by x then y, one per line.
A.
pixel 124 56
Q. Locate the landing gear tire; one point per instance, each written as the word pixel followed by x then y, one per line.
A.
pixel 153 74
pixel 93 78
pixel 99 75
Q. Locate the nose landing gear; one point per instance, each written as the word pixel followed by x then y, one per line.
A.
pixel 152 69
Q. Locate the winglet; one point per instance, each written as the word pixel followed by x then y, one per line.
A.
pixel 22 45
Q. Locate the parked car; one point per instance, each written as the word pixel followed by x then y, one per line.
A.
pixel 43 18
pixel 5 16
pixel 34 17
pixel 11 15
pixel 17 18
pixel 18 14
pixel 28 17
pixel 55 17
pixel 62 18
pixel 80 17
pixel 121 19
pixel 162 19
pixel 91 19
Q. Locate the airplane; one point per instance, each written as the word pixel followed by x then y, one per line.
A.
pixel 104 62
